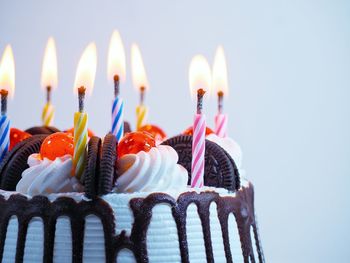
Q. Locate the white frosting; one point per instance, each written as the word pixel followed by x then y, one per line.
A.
pixel 34 245
pixel 156 170
pixel 230 146
pixel 63 240
pixel 44 177
pixel 235 243
pixel 162 236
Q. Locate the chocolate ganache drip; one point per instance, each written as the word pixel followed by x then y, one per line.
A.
pixel 25 209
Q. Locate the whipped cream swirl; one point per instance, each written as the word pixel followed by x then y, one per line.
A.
pixel 44 177
pixel 156 170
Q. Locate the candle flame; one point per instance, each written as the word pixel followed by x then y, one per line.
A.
pixel 86 70
pixel 199 74
pixel 139 77
pixel 7 71
pixel 220 83
pixel 49 70
pixel 116 57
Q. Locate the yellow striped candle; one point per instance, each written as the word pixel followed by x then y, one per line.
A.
pixel 47 115
pixel 49 81
pixel 84 82
pixel 141 116
pixel 140 82
pixel 80 142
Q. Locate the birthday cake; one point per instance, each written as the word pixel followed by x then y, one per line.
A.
pixel 140 211
pixel 128 197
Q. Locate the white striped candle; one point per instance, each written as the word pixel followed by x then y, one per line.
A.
pixel 118 118
pixel 198 151
pixel 80 136
pixel 4 126
pixel 141 116
pixel 4 136
pixel 47 115
pixel 200 82
pixel 221 125
pixel 117 112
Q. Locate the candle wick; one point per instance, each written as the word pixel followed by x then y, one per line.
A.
pixel 116 85
pixel 220 101
pixel 142 94
pixel 200 94
pixel 81 96
pixel 4 94
pixel 48 94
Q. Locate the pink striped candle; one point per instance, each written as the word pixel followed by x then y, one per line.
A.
pixel 221 119
pixel 198 144
pixel 221 125
pixel 220 85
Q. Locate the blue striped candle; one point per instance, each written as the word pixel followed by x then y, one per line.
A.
pixel 4 136
pixel 117 118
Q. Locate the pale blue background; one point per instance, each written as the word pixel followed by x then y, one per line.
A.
pixel 289 65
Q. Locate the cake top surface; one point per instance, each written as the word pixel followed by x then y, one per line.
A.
pixel 44 164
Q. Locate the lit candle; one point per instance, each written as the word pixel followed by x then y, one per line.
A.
pixel 7 87
pixel 141 83
pixel 49 81
pixel 220 86
pixel 116 72
pixel 84 82
pixel 200 81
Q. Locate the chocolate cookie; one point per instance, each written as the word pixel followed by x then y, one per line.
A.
pixel 107 164
pixel 15 161
pixel 219 170
pixel 236 172
pixel 127 127
pixel 10 154
pixel 92 167
pixel 42 130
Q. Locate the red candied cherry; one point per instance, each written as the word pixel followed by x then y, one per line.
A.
pixel 71 131
pixel 17 136
pixel 158 134
pixel 56 145
pixel 189 131
pixel 134 142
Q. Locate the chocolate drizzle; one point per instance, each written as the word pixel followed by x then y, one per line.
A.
pixel 241 206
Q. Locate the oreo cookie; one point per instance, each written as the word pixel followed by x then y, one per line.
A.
pixel 107 164
pixel 127 127
pixel 220 169
pixel 10 154
pixel 42 130
pixel 235 172
pixel 15 162
pixel 92 167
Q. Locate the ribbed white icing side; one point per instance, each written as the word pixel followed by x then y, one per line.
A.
pixel 216 235
pixel 194 232
pixel 11 241
pixel 162 237
pixel 34 245
pixel 122 213
pixel 125 256
pixel 236 249
pixel 94 243
pixel 63 240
